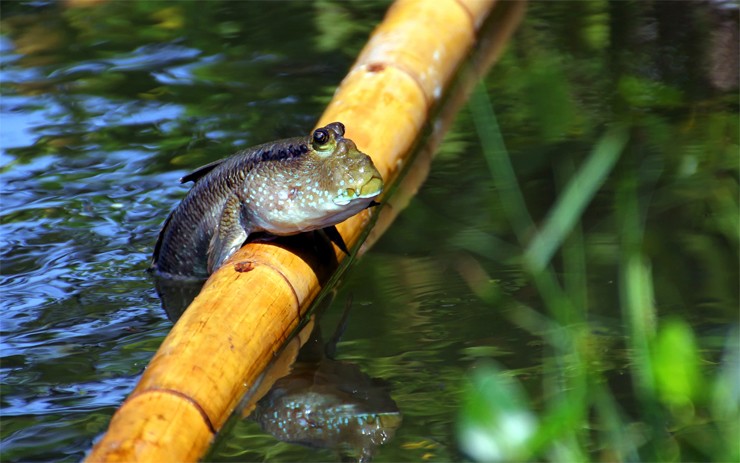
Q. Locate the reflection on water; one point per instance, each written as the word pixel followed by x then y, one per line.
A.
pixel 105 106
pixel 327 403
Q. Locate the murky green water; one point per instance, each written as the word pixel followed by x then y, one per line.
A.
pixel 105 106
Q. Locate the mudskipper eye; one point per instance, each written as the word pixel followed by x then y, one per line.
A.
pixel 320 136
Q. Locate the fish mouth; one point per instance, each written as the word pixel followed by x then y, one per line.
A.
pixel 369 189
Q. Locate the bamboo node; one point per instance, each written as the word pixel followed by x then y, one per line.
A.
pixel 187 398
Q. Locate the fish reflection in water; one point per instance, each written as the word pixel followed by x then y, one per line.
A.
pixel 327 403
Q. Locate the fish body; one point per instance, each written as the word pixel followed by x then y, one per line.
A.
pixel 281 188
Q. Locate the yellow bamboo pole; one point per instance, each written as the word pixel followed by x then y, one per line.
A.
pixel 249 308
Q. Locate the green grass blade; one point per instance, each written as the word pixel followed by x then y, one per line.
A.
pixel 577 194
pixel 499 163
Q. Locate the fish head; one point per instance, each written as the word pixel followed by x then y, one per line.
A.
pixel 347 174
pixel 332 181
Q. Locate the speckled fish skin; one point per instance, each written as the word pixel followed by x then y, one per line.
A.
pixel 282 188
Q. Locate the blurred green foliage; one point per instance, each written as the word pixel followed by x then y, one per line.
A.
pixel 655 204
pixel 495 422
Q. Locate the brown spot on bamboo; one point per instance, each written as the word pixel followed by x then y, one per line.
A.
pixel 375 67
pixel 244 266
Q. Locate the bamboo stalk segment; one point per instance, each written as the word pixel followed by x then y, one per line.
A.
pixel 225 334
pixel 171 430
pixel 422 50
pixel 249 308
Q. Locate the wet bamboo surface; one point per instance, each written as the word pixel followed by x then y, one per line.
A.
pixel 251 306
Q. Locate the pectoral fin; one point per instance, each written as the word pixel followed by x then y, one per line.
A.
pixel 333 234
pixel 229 237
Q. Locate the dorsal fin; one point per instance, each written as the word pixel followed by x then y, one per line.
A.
pixel 198 173
pixel 289 148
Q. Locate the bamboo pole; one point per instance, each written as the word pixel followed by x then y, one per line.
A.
pixel 250 307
